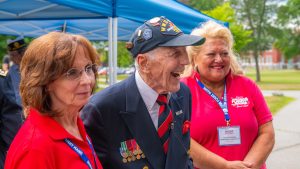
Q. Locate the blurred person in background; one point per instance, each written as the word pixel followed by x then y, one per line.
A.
pixel 11 107
pixel 5 63
pixel 231 125
pixel 58 75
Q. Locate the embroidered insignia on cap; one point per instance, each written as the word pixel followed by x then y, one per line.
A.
pixel 155 21
pixel 147 34
pixel 168 28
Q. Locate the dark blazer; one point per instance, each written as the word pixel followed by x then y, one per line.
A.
pixel 10 110
pixel 118 113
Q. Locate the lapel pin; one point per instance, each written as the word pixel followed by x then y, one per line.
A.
pixel 178 112
pixel 186 126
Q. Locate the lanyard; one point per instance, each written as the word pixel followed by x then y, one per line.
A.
pixel 223 105
pixel 81 153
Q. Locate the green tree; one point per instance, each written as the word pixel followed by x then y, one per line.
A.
pixel 3 46
pixel 288 33
pixel 203 5
pixel 226 13
pixel 124 57
pixel 256 15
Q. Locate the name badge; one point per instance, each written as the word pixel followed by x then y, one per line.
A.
pixel 229 136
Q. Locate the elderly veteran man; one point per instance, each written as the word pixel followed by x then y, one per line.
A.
pixel 10 100
pixel 143 121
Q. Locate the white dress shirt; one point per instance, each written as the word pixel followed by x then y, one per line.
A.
pixel 149 97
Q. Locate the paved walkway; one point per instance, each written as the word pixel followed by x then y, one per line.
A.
pixel 286 153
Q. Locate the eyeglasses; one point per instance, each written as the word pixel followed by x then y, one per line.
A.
pixel 75 74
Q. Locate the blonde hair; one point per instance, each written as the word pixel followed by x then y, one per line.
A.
pixel 46 59
pixel 212 29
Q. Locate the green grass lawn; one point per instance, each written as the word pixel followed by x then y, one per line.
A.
pixel 277 79
pixel 275 103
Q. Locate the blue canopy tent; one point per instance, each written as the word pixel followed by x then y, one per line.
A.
pixel 110 20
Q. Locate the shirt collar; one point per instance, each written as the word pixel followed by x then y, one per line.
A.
pixel 228 77
pixel 52 128
pixel 148 94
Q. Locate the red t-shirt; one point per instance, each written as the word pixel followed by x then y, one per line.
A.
pixel 40 144
pixel 247 109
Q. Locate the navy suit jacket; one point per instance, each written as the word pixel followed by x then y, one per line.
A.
pixel 10 110
pixel 118 113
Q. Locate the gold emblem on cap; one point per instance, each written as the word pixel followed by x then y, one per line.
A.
pixel 17 44
pixel 145 167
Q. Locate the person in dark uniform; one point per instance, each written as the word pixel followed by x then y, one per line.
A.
pixel 10 101
pixel 5 63
pixel 143 121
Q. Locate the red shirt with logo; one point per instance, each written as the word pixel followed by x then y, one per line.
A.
pixel 40 144
pixel 247 109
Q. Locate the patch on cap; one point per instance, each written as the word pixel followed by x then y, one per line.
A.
pixel 168 28
pixel 159 31
pixel 155 21
pixel 147 34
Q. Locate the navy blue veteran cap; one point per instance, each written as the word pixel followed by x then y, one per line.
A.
pixel 16 44
pixel 159 31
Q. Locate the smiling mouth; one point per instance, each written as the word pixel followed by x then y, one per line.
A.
pixel 217 67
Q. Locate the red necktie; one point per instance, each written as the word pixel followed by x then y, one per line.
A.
pixel 165 117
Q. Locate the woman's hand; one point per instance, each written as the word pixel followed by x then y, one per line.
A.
pixel 238 165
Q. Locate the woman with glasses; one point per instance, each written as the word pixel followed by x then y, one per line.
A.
pixel 58 75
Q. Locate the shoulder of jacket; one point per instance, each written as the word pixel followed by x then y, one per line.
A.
pixel 2 73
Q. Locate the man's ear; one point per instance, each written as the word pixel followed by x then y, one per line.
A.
pixel 143 62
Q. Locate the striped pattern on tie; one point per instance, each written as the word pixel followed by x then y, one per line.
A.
pixel 165 118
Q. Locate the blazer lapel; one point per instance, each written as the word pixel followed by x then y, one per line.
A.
pixel 177 149
pixel 140 124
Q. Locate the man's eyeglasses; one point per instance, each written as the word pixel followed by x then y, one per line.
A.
pixel 75 74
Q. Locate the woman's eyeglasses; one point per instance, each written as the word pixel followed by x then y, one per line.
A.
pixel 75 74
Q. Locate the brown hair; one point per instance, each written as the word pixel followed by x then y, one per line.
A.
pixel 212 29
pixel 46 59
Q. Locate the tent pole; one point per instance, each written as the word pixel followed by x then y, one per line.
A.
pixel 110 51
pixel 64 26
pixel 115 48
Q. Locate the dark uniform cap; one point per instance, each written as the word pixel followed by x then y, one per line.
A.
pixel 159 31
pixel 13 45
